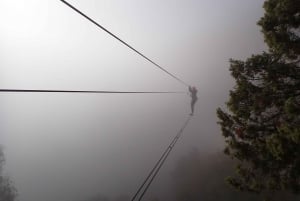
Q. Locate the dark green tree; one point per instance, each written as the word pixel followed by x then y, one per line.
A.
pixel 7 190
pixel 201 177
pixel 262 124
pixel 280 26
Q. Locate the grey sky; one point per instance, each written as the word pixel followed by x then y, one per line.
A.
pixel 68 147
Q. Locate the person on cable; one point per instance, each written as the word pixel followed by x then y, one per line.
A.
pixel 193 92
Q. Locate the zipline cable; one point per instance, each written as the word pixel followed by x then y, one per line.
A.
pixel 159 163
pixel 166 156
pixel 116 37
pixel 95 92
pixel 152 171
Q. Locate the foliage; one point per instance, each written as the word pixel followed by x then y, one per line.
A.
pixel 7 190
pixel 262 126
pixel 280 26
pixel 201 177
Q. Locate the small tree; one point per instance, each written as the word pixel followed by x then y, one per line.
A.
pixel 262 126
pixel 7 190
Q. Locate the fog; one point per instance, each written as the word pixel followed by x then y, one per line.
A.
pixel 71 147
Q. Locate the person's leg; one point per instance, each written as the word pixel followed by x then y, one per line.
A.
pixel 192 106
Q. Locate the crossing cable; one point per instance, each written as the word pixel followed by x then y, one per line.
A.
pixel 166 156
pixel 159 163
pixel 152 171
pixel 122 41
pixel 95 92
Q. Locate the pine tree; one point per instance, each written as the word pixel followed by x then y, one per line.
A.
pixel 280 26
pixel 262 124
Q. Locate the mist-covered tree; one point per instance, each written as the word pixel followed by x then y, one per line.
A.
pixel 262 126
pixel 280 26
pixel 7 190
pixel 201 177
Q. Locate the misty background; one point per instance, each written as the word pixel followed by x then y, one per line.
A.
pixel 70 147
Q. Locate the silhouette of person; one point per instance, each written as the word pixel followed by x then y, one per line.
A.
pixel 194 97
